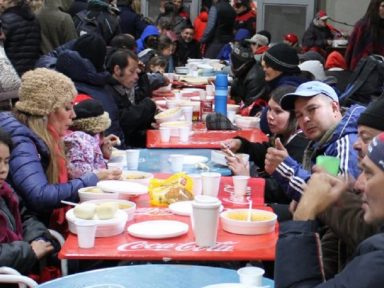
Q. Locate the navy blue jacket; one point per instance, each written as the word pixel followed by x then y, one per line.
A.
pixel 29 161
pixel 88 81
pixel 298 260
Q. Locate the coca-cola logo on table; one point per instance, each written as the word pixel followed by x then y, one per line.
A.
pixel 226 246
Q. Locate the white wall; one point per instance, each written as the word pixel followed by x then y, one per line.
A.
pixel 347 11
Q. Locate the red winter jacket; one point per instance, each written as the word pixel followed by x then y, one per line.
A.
pixel 200 24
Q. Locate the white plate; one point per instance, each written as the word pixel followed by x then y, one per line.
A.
pixel 158 229
pixel 184 208
pixel 227 285
pixel 137 176
pixel 193 159
pixel 122 187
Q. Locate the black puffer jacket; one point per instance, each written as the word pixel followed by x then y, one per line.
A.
pixel 22 33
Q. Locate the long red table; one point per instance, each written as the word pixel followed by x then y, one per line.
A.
pixel 204 139
pixel 230 247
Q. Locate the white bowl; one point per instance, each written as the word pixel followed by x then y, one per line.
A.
pixel 85 195
pixel 218 156
pixel 247 122
pixel 175 125
pixel 128 207
pixel 105 228
pixel 169 115
pixel 235 221
pixel 123 189
pixel 137 176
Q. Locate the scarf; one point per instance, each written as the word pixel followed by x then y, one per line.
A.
pixel 312 149
pixel 8 235
pixel 57 220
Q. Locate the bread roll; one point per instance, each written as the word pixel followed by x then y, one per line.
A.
pixel 85 211
pixel 106 210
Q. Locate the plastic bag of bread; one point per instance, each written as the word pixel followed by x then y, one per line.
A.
pixel 163 192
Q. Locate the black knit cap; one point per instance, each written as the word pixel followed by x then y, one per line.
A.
pixel 88 108
pixel 282 57
pixel 92 47
pixel 373 116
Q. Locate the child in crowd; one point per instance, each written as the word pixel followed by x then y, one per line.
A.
pixel 23 239
pixel 86 148
pixel 156 67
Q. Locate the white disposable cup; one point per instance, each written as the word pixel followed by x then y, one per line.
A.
pixel 177 162
pixel 205 220
pixel 210 90
pixel 240 184
pixel 184 134
pixel 231 115
pixel 177 95
pixel 86 233
pixel 203 95
pixel 211 183
pixel 251 276
pixel 165 134
pixel 133 159
pixel 187 112
pixel 197 187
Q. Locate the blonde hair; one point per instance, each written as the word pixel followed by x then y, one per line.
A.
pixel 39 125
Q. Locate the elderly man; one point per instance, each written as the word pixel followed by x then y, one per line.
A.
pixel 319 116
pixel 299 237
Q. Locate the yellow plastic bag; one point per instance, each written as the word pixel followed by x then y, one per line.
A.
pixel 163 192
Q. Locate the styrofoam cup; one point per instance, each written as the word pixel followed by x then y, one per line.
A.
pixel 177 162
pixel 165 134
pixel 205 220
pixel 133 159
pixel 251 276
pixel 197 187
pixel 184 133
pixel 211 183
pixel 240 183
pixel 231 115
pixel 187 112
pixel 116 165
pixel 86 233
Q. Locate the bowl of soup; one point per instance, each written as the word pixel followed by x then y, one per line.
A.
pixel 236 221
pixel 93 193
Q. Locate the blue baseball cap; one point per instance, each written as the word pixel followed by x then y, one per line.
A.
pixel 308 89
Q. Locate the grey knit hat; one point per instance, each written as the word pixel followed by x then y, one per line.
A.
pixel 43 90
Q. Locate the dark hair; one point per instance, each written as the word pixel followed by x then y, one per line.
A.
pixel 164 42
pixel 123 41
pixel 152 41
pixel 276 96
pixel 157 61
pixel 6 139
pixel 121 58
pixel 266 34
pixel 374 20
pixel 165 23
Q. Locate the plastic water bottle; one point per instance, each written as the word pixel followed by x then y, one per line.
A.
pixel 221 93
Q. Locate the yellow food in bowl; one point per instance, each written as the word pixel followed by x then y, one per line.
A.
pixel 135 176
pixel 167 113
pixel 255 216
pixel 93 190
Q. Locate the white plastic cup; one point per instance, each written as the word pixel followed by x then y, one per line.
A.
pixel 251 276
pixel 133 159
pixel 197 187
pixel 86 233
pixel 177 95
pixel 231 115
pixel 210 90
pixel 203 95
pixel 187 112
pixel 240 184
pixel 205 220
pixel 211 183
pixel 184 134
pixel 165 134
pixel 177 162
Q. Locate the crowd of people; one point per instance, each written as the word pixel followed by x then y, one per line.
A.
pixel 78 79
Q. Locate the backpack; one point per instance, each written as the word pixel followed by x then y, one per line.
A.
pixel 85 25
pixel 365 83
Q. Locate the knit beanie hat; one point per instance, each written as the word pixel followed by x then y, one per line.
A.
pixel 93 48
pixel 373 116
pixel 314 67
pixel 376 151
pixel 90 116
pixel 240 58
pixel 335 60
pixel 311 55
pixel 43 90
pixel 282 57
